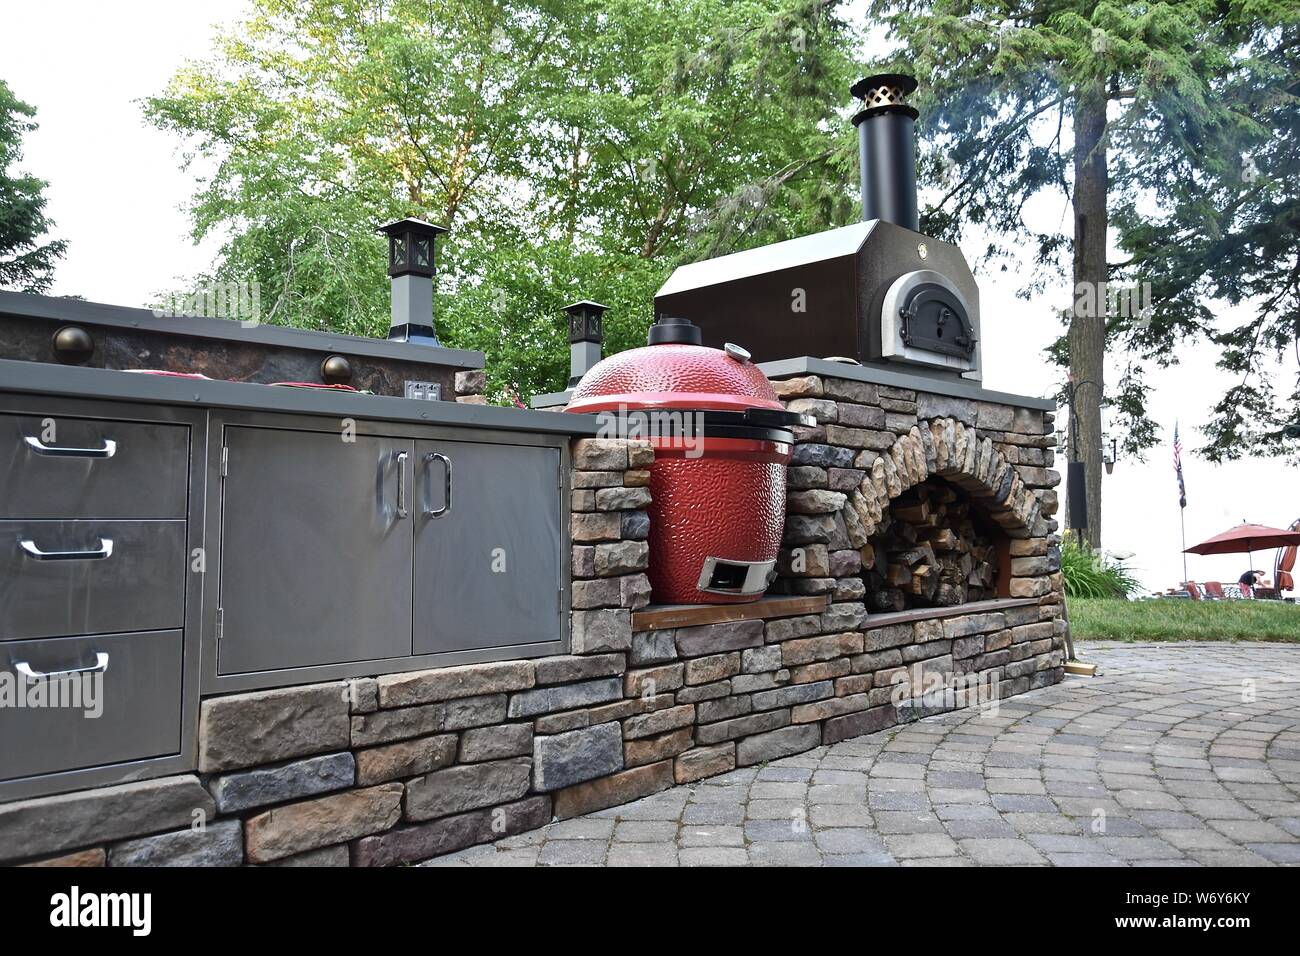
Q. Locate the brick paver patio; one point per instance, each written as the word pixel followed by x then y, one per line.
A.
pixel 1178 754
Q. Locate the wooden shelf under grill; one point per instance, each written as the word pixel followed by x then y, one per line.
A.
pixel 663 616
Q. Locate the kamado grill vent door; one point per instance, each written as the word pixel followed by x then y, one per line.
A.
pixel 926 321
pixel 721 576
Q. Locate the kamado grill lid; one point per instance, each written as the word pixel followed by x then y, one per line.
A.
pixel 676 372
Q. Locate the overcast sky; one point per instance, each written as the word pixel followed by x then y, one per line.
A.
pixel 117 194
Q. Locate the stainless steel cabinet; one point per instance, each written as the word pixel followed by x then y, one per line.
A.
pixel 103 699
pixel 97 668
pixel 316 546
pixel 487 546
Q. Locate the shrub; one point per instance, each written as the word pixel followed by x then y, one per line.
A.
pixel 1089 574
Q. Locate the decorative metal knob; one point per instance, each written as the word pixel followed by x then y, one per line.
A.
pixel 336 370
pixel 73 345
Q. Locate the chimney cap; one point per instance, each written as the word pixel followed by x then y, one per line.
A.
pixel 414 226
pixel 903 82
pixel 410 247
pixel 586 320
pixel 884 93
pixel 584 304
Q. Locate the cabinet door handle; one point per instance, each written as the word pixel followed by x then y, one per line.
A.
pixel 105 550
pixel 401 484
pixel 99 667
pixel 446 501
pixel 108 450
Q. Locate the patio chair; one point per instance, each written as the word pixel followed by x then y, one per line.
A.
pixel 1194 591
pixel 1214 591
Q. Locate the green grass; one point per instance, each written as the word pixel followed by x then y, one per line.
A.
pixel 1174 620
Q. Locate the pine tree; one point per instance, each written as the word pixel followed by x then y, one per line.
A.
pixel 1230 232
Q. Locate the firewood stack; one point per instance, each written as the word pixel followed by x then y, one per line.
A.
pixel 929 552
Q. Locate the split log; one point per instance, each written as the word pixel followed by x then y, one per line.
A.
pixel 943 539
pixel 915 514
pixel 921 554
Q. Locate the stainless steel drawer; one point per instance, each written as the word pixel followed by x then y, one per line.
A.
pixel 90 577
pixel 120 697
pixel 62 467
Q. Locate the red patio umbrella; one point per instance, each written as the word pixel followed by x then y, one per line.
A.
pixel 1246 538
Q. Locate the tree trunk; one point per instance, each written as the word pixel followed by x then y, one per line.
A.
pixel 1087 336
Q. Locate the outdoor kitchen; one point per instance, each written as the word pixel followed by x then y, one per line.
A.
pixel 343 611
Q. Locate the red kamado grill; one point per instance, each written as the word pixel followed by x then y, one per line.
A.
pixel 722 443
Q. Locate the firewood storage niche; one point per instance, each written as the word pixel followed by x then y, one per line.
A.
pixel 934 547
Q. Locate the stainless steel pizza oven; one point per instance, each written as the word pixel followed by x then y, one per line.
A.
pixel 875 292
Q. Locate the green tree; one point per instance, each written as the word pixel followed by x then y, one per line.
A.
pixel 575 148
pixel 1109 103
pixel 1230 232
pixel 26 263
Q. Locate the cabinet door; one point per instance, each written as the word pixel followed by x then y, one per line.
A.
pixel 487 546
pixel 315 549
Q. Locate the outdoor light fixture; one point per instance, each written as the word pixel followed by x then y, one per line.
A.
pixel 73 345
pixel 410 267
pixel 586 335
pixel 336 370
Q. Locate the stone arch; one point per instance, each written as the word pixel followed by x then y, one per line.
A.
pixel 948 449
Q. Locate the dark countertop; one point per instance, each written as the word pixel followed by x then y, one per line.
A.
pixel 903 377
pixel 895 377
pixel 39 378
pixel 102 315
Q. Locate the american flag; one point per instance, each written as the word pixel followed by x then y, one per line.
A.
pixel 1178 468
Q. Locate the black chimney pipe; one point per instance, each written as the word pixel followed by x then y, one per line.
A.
pixel 887 148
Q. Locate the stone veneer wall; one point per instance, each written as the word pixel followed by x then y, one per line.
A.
pixel 401 767
pixel 871 443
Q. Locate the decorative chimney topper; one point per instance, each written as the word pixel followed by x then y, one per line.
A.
pixel 586 336
pixel 411 267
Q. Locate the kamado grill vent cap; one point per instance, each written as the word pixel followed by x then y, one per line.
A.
pixel 671 331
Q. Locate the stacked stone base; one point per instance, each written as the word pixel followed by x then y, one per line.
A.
pixel 403 767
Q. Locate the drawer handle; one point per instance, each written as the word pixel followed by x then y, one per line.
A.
pixel 99 667
pixel 105 550
pixel 57 451
pixel 446 501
